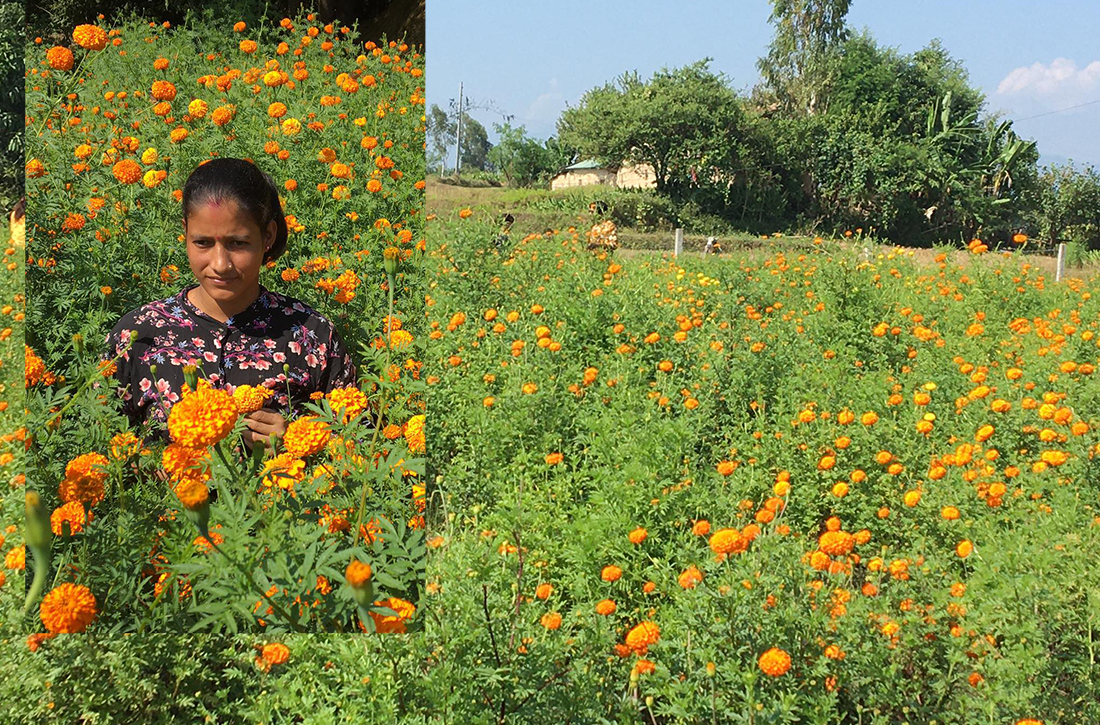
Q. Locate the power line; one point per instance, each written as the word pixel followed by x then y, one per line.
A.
pixel 1070 108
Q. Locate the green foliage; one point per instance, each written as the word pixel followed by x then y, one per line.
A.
pixel 11 104
pixel 522 160
pixel 797 69
pixel 1068 206
pixel 685 123
pixel 636 454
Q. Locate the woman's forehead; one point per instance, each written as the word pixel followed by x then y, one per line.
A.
pixel 220 217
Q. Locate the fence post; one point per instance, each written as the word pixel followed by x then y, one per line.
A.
pixel 1060 270
pixel 679 248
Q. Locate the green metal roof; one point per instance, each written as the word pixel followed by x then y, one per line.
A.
pixel 586 164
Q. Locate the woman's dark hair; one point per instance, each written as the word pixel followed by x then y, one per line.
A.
pixel 20 209
pixel 241 181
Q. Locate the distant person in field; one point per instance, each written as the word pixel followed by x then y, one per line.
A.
pixel 18 221
pixel 506 227
pixel 226 323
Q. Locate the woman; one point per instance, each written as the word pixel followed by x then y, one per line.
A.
pixel 233 329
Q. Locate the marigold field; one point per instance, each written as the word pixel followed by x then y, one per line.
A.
pixel 127 536
pixel 768 487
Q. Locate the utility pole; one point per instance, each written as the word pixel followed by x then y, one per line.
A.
pixel 458 131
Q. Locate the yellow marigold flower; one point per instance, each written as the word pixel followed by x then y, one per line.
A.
pixel 250 398
pixel 125 445
pixel 68 609
pixel 414 433
pixel 202 418
pixel 197 108
pixel 291 126
pixel 283 471
pixel 347 402
pixel 775 662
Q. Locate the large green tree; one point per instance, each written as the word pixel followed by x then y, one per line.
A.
pixel 800 60
pixel 684 122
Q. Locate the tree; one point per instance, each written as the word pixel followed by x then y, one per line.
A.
pixel 441 134
pixel 798 66
pixel 523 160
pixel 685 123
pixel 475 144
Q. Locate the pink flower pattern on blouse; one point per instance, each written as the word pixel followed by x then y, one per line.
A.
pixel 250 348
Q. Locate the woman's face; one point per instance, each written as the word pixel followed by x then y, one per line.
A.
pixel 226 249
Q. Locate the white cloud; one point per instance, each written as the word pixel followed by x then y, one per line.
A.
pixel 1061 80
pixel 547 107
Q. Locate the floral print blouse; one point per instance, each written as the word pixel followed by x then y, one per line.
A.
pixel 278 342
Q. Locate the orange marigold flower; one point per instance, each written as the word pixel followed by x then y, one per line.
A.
pixel 90 37
pixel 728 541
pixel 551 620
pixel 347 402
pixel 84 479
pixel 690 577
pixel 611 573
pixel 71 512
pixel 202 418
pixel 642 636
pixel 127 171
pixel 544 590
pixel 836 543
pixel 60 58
pixel 638 535
pixel 358 573
pixel 276 653
pixel 701 527
pixel 775 662
pixel 163 90
pixel 391 623
pixel 192 492
pixel 69 608
pixel 605 607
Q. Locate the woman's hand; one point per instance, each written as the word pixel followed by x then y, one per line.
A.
pixel 261 426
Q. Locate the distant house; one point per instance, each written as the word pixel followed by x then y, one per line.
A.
pixel 589 172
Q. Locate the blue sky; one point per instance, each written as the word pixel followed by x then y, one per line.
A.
pixel 530 59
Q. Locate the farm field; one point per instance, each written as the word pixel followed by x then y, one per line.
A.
pixel 136 536
pixel 776 486
pixel 539 210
